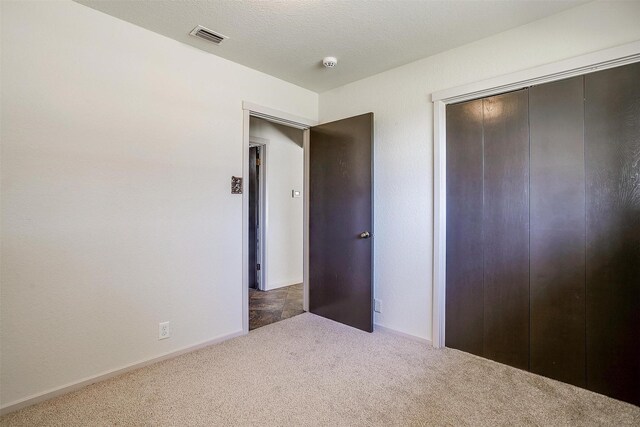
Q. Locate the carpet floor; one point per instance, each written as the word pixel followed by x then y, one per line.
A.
pixel 307 370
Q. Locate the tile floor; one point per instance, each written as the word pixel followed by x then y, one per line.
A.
pixel 266 307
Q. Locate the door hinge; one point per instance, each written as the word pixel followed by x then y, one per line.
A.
pixel 258 267
pixel 258 162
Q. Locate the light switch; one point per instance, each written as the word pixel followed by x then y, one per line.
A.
pixel 295 193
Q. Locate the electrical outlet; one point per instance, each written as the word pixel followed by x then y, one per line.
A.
pixel 376 305
pixel 163 331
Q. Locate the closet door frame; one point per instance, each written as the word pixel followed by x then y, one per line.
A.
pixel 580 65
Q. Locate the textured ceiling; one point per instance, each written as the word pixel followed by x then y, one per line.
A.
pixel 288 39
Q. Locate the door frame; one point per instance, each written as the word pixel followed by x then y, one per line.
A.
pixel 283 118
pixel 263 212
pixel 579 65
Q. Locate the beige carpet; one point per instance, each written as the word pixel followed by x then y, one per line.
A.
pixel 310 371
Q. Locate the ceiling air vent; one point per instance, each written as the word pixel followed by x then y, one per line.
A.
pixel 207 34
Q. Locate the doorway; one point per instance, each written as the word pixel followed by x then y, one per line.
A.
pixel 275 228
pixel 337 200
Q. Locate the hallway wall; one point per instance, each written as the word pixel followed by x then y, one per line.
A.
pixel 285 168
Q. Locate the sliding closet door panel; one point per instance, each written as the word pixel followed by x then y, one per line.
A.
pixel 464 302
pixel 558 230
pixel 506 228
pixel 612 143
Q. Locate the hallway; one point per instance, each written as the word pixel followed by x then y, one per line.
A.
pixel 266 307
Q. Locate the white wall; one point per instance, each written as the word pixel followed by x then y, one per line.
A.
pixel 400 101
pixel 284 167
pixel 118 146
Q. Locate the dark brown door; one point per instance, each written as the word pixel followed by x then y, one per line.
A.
pixel 253 216
pixel 465 285
pixel 558 230
pixel 612 152
pixel 506 228
pixel 487 304
pixel 340 221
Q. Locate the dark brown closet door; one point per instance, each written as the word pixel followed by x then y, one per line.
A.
pixel 464 302
pixel 612 142
pixel 506 228
pixel 558 230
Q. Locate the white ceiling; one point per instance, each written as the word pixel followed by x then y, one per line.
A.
pixel 288 39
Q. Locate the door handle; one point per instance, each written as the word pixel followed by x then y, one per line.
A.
pixel 365 235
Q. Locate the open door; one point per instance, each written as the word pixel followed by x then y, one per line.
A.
pixel 341 221
pixel 254 195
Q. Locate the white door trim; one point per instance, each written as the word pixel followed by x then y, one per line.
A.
pixel 580 65
pixel 287 119
pixel 277 116
pixel 576 66
pixel 305 236
pixel 246 114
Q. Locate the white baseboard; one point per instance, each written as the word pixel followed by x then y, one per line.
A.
pixel 380 328
pixel 40 397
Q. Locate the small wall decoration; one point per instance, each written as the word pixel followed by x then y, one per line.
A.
pixel 236 185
